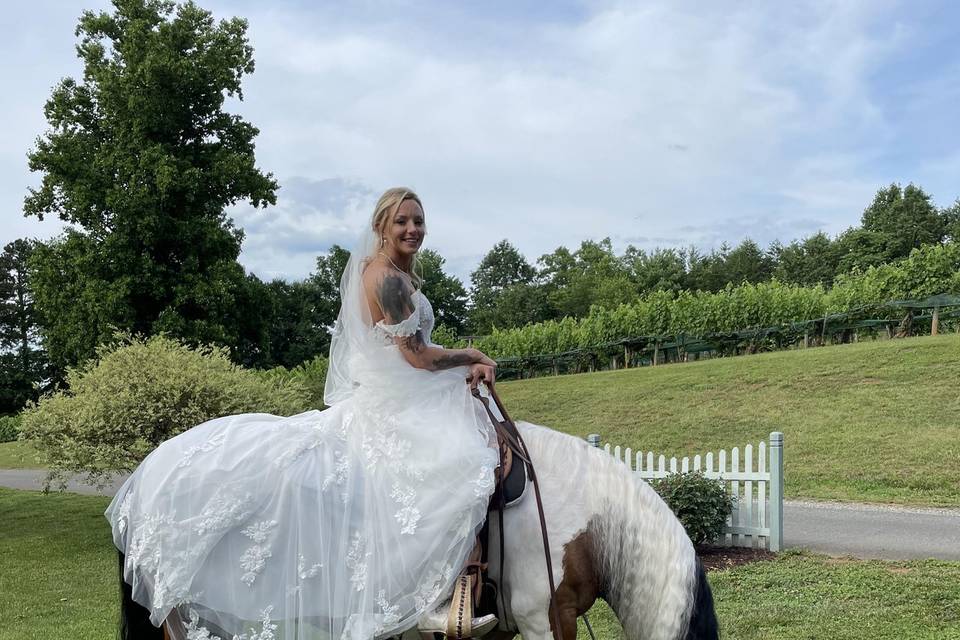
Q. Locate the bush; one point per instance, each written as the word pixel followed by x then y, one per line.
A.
pixel 138 393
pixel 9 428
pixel 701 504
pixel 310 375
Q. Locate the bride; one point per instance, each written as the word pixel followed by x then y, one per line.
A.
pixel 348 523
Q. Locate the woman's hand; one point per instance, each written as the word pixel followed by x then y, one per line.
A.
pixel 481 372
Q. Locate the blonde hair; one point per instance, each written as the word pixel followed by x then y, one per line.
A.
pixel 383 215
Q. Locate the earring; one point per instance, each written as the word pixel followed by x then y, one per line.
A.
pixel 383 241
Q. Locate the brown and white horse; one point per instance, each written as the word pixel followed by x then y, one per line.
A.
pixel 611 537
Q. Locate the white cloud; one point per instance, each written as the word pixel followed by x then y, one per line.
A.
pixel 657 121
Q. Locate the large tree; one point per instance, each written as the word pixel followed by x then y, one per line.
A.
pixel 141 157
pixel 445 292
pixel 592 275
pixel 659 270
pixel 503 268
pixel 302 313
pixel 23 367
pixel 899 220
pixel 811 261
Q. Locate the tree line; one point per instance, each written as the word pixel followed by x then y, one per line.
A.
pixel 508 291
pixel 141 159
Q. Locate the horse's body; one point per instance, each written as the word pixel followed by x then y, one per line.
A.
pixel 611 537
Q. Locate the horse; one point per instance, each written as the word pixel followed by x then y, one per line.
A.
pixel 611 537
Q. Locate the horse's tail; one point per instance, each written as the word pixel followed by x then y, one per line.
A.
pixel 703 618
pixel 134 619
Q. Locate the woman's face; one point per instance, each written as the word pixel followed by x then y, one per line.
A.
pixel 405 233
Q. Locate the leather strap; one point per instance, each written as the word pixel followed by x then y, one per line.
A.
pixel 506 429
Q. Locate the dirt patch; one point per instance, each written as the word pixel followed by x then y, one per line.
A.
pixel 721 558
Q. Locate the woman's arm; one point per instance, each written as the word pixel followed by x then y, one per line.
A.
pixel 396 301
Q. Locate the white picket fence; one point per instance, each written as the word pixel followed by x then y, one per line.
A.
pixel 757 517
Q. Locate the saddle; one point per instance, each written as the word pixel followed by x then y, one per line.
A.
pixel 475 593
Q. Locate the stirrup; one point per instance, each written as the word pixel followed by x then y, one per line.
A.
pixel 457 622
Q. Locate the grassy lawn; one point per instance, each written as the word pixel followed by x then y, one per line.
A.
pixel 57 567
pixel 18 455
pixel 874 421
pixel 58 572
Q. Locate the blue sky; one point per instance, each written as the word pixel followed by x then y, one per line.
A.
pixel 657 123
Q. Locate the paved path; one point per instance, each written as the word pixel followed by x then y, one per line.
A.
pixel 33 479
pixel 872 531
pixel 860 530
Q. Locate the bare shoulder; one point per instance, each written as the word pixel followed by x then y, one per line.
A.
pixel 390 292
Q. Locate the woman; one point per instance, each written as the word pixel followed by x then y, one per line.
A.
pixel 348 523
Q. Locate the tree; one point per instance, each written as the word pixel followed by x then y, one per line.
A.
pixel 142 159
pixel 22 363
pixel 661 270
pixel 302 313
pixel 896 222
pixel 811 261
pixel 297 332
pixel 503 267
pixel 708 272
pixel 445 292
pixel 592 275
pixel 951 221
pixel 747 263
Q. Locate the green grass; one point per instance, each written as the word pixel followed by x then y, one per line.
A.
pixel 58 573
pixel 875 422
pixel 18 455
pixel 806 597
pixel 57 567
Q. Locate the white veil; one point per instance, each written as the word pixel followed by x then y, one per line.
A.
pixel 351 335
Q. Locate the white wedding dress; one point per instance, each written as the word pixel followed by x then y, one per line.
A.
pixel 346 523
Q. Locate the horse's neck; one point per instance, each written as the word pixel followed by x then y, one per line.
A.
pixel 645 558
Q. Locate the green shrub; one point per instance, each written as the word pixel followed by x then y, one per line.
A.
pixel 9 428
pixel 310 375
pixel 138 393
pixel 701 504
pixel 446 337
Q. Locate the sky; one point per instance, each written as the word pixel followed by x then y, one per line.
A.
pixel 662 123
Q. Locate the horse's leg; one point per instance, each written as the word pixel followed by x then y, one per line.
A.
pixel 576 593
pixel 579 588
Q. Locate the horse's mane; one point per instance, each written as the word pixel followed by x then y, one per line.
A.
pixel 647 560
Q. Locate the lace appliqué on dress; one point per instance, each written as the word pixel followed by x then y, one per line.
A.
pixel 484 484
pixel 357 562
pixel 224 511
pixel 408 516
pixel 254 559
pixel 209 445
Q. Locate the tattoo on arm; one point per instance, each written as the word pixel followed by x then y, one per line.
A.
pixel 450 361
pixel 413 343
pixel 394 298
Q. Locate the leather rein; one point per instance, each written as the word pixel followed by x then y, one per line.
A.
pixel 508 433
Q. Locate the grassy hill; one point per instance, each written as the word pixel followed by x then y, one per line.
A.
pixel 875 421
